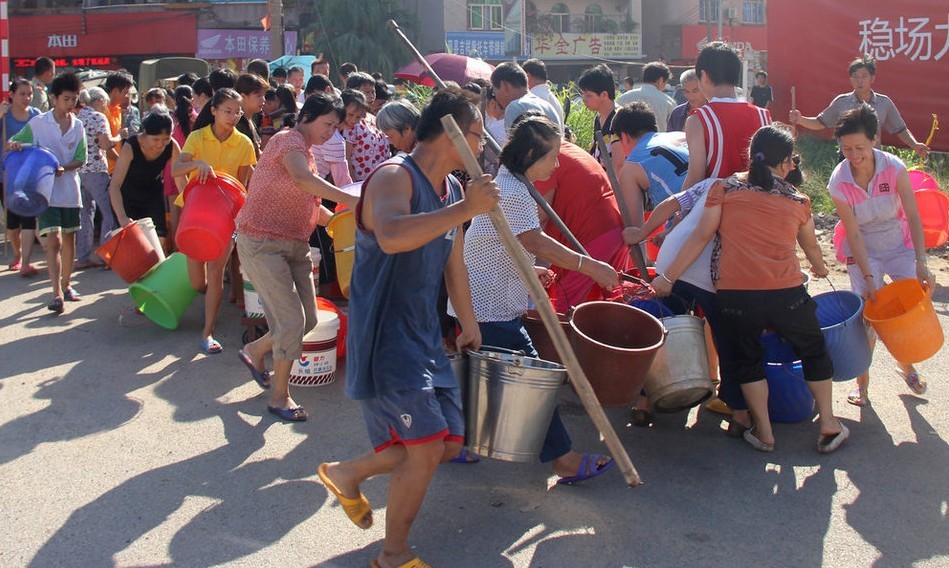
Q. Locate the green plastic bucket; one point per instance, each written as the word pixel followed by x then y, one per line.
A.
pixel 165 292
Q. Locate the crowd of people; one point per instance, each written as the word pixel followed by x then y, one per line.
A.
pixel 713 173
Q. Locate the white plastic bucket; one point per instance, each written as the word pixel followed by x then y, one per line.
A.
pixel 148 229
pixel 253 306
pixel 317 364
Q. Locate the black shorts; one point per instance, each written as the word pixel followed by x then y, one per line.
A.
pixel 791 313
pixel 154 211
pixel 14 221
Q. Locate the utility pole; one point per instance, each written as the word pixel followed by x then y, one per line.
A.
pixel 721 8
pixel 708 20
pixel 275 7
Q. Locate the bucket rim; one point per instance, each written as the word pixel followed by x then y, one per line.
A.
pixel 859 314
pixel 907 282
pixel 657 345
pixel 532 362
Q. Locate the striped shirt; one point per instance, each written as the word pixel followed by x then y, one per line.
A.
pixel 729 125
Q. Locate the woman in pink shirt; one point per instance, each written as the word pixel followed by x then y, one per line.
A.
pixel 875 203
pixel 282 209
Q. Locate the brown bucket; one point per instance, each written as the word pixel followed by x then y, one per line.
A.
pixel 539 336
pixel 616 345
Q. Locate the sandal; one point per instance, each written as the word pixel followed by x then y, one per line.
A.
pixel 828 443
pixel 466 457
pixel 28 271
pixel 56 306
pixel 210 346
pixel 293 414
pixel 262 377
pixel 357 509
pixel 71 295
pixel 588 469
pixel 750 437
pixel 641 418
pixel 15 265
pixel 858 397
pixel 736 429
pixel 914 382
pixel 413 563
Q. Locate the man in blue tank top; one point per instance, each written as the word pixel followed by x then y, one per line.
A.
pixel 656 162
pixel 408 239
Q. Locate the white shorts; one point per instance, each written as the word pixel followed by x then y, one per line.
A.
pixel 897 265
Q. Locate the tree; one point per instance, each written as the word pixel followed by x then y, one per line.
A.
pixel 355 30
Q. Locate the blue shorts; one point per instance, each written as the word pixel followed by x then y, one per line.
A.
pixel 415 416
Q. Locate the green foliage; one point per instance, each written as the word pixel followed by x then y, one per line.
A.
pixel 580 119
pixel 356 31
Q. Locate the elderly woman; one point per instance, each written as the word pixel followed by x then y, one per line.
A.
pixel 94 174
pixel 397 120
pixel 759 217
pixel 282 209
pixel 497 293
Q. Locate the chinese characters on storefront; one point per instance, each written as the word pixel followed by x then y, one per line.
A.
pixel 912 38
pixel 586 45
pixel 486 45
pixel 237 44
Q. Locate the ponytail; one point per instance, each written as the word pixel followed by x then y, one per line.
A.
pixel 183 107
pixel 770 146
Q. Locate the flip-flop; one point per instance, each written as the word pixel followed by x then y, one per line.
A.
pixel 736 429
pixel 588 469
pixel 858 397
pixel 210 346
pixel 28 271
pixel 827 444
pixel 466 457
pixel 914 382
pixel 56 306
pixel 641 418
pixel 262 377
pixel 413 563
pixel 356 509
pixel 71 295
pixel 295 414
pixel 750 437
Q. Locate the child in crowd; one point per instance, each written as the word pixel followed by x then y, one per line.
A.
pixel 21 231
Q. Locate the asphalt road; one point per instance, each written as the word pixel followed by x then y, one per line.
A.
pixel 121 445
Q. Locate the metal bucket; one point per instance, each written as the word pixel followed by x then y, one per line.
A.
pixel 679 377
pixel 511 399
pixel 615 345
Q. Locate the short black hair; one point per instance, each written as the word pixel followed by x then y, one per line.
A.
pixel 354 97
pixel 535 68
pixel 861 119
pixel 532 138
pixel 509 72
pixel 117 80
pixel 65 82
pixel 319 104
pixel 382 90
pixel 598 79
pixel 654 71
pixel 279 72
pixel 866 62
pixel 357 79
pixel 446 101
pixel 222 78
pixel 721 64
pixel 296 69
pixel 202 87
pixel 42 65
pixel 187 79
pixel 249 83
pixel 635 119
pixel 157 122
pixel 346 68
pixel 316 83
pixel 260 68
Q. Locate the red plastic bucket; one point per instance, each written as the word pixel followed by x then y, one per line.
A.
pixel 129 253
pixel 207 220
pixel 933 208
pixel 922 180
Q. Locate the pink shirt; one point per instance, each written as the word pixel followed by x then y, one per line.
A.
pixel 276 208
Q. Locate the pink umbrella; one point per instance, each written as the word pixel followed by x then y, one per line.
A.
pixel 449 67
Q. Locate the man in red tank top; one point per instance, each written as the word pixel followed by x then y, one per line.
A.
pixel 719 132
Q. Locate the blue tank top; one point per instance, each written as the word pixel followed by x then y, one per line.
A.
pixel 14 126
pixel 394 339
pixel 665 157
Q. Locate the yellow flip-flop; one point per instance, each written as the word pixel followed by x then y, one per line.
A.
pixel 413 563
pixel 356 509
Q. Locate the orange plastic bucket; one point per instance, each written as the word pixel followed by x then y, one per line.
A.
pixel 903 316
pixel 207 220
pixel 933 208
pixel 342 228
pixel 129 253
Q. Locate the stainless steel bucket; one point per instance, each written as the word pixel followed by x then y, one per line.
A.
pixel 679 377
pixel 510 401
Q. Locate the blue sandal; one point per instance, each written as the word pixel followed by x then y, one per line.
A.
pixel 210 346
pixel 588 469
pixel 262 377
pixel 466 457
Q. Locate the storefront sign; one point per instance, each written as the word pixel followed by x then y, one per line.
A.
pixel 237 44
pixel 746 39
pixel 101 61
pixel 568 45
pixel 486 45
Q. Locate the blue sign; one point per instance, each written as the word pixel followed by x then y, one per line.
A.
pixel 486 45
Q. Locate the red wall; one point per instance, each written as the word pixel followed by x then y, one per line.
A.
pixel 811 44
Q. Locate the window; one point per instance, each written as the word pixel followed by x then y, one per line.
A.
pixel 710 10
pixel 484 15
pixel 752 12
pixel 593 18
pixel 560 18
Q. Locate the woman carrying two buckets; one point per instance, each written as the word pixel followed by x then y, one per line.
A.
pixel 758 217
pixel 884 235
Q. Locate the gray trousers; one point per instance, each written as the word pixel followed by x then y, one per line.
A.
pixel 95 194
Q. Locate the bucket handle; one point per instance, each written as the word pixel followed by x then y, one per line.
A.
pixel 840 304
pixel 688 310
pixel 503 350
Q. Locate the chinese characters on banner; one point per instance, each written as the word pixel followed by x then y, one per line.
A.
pixel 552 46
pixel 907 37
pixel 486 45
pixel 238 44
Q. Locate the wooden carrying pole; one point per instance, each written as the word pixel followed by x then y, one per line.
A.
pixel 525 270
pixel 634 250
pixel 493 144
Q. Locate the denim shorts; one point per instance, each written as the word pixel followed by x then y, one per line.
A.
pixel 414 416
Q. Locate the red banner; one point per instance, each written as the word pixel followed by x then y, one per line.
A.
pixel 694 38
pixel 76 35
pixel 812 42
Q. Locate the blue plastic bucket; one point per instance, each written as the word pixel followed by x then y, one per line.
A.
pixel 789 399
pixel 30 174
pixel 840 315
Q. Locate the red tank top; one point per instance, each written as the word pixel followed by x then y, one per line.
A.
pixel 729 125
